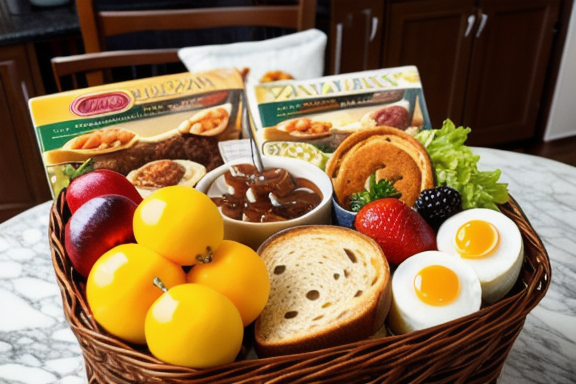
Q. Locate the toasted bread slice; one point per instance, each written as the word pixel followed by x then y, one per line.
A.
pixel 390 152
pixel 328 286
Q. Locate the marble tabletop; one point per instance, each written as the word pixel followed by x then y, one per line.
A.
pixel 38 347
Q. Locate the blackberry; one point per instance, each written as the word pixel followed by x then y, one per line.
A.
pixel 436 205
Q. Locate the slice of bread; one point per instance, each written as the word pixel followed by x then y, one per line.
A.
pixel 328 286
pixel 390 152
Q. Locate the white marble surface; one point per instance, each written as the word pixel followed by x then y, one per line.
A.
pixel 37 346
pixel 36 343
pixel 545 350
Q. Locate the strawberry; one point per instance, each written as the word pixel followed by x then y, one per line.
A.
pixel 400 231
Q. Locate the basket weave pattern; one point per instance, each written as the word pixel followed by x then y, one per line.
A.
pixel 471 349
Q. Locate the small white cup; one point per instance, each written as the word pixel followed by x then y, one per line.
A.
pixel 254 234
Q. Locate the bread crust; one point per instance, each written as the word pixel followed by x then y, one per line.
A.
pixel 365 315
pixel 395 154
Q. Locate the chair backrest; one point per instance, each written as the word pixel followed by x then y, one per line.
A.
pixel 97 25
pixel 71 72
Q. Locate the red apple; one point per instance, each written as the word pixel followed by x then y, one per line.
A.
pixel 97 226
pixel 98 183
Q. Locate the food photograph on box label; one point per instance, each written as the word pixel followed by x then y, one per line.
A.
pixel 258 213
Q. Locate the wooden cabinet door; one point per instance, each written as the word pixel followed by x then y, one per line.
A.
pixel 23 182
pixel 355 35
pixel 508 67
pixel 437 37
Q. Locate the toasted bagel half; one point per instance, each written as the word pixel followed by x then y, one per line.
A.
pixel 390 152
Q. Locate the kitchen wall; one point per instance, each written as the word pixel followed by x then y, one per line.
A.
pixel 562 117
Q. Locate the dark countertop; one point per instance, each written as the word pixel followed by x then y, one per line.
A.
pixel 33 23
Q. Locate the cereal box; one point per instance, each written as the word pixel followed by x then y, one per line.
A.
pixel 125 126
pixel 308 119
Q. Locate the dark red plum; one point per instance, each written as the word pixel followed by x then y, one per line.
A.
pixel 96 227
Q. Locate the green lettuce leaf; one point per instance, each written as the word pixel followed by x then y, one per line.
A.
pixel 456 166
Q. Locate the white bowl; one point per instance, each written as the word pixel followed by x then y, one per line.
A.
pixel 254 234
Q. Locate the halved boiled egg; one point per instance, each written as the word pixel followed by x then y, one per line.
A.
pixel 490 243
pixel 431 288
pixel 164 173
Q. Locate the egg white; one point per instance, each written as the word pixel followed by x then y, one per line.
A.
pixel 409 313
pixel 499 271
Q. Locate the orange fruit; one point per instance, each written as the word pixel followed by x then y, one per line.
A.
pixel 239 273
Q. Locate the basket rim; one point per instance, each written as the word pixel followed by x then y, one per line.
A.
pixel 516 306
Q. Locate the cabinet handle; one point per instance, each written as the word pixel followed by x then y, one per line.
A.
pixel 471 21
pixel 338 48
pixel 374 28
pixel 371 20
pixel 24 90
pixel 483 19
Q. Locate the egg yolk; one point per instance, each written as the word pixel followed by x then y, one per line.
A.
pixel 476 239
pixel 437 285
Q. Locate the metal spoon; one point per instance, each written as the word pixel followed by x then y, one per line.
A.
pixel 256 158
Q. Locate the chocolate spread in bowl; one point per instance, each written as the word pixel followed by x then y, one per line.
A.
pixel 273 195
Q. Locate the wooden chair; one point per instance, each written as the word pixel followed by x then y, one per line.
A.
pixel 97 25
pixel 71 72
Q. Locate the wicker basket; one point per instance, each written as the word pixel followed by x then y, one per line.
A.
pixel 470 349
